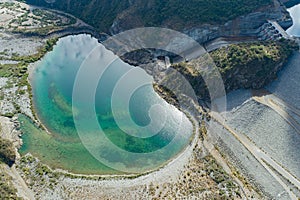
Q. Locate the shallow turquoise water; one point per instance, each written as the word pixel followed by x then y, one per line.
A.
pixel 53 82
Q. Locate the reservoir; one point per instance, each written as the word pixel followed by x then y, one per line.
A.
pixel 138 136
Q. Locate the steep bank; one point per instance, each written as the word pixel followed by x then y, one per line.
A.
pixel 245 65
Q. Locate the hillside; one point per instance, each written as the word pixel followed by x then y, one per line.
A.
pixel 245 65
pixel 136 13
pixel 252 65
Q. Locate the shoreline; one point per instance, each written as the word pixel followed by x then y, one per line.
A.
pixel 167 172
pixel 175 161
pixel 189 147
pixel 164 172
pixel 39 123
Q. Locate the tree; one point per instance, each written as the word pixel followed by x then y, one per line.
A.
pixel 7 152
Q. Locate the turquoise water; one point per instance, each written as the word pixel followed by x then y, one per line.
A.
pixel 127 144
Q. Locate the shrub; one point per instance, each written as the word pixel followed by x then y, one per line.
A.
pixel 7 152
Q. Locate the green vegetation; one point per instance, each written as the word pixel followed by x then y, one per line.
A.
pixel 166 94
pixel 245 65
pixel 35 57
pixel 53 18
pixel 216 171
pixel 250 55
pixel 7 152
pixel 35 21
pixel 101 13
pixel 221 178
pixel 7 4
pixel 41 31
pixel 9 70
pixel 252 65
pixel 19 70
pixel 7 191
pixel 195 11
pixel 17 73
